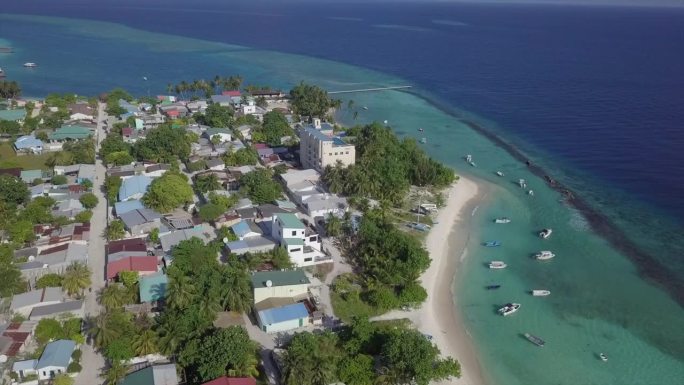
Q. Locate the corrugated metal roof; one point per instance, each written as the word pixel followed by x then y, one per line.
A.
pixel 56 353
pixel 289 221
pixel 279 278
pixel 282 314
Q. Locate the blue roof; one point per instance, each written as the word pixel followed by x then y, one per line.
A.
pixel 283 313
pixel 220 98
pixel 124 207
pixel 57 353
pixel 27 141
pixel 241 229
pixel 153 287
pixel 237 245
pixel 134 185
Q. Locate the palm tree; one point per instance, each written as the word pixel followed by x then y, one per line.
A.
pixel 116 372
pixel 115 230
pixel 208 182
pixel 245 368
pixel 112 296
pixel 76 278
pixel 169 341
pixel 236 292
pixel 181 292
pixel 145 343
pixel 99 332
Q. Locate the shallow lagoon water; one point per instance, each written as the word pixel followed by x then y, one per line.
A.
pixel 599 303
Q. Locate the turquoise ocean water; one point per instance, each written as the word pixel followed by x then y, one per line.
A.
pixel 599 303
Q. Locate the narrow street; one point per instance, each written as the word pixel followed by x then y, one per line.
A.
pixel 91 361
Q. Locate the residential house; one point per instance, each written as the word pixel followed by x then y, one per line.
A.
pixel 141 221
pixel 268 210
pixel 28 144
pixel 249 107
pixel 283 318
pixel 156 170
pixel 70 308
pixel 54 260
pixel 67 233
pixel 170 239
pixel 54 360
pixel 152 288
pixel 130 135
pixel 70 133
pixel 15 336
pixel 81 111
pixel 223 134
pixel 216 164
pixel 246 229
pixel 166 99
pixel 227 219
pixel 197 106
pixel 24 303
pixel 280 284
pixel 144 265
pixel 134 187
pixel 222 100
pixel 268 94
pixel 121 208
pixel 319 148
pixel 295 177
pixel 164 374
pixel 251 245
pixel 149 121
pixel 15 115
pixel 245 131
pixel 174 111
pixel 328 204
pixel 303 245
pixel 232 381
pixel 82 172
pixel 68 208
pixel 133 247
pixel 28 176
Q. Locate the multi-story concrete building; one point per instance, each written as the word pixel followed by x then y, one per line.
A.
pixel 302 244
pixel 319 147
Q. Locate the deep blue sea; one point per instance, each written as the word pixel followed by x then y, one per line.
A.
pixel 594 95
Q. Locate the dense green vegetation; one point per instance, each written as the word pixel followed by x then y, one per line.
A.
pixel 9 89
pixel 260 187
pixel 163 144
pixel 11 280
pixel 168 192
pixel 13 190
pixel 216 116
pixel 242 157
pixel 275 127
pixel 385 167
pixel 365 353
pixel 310 100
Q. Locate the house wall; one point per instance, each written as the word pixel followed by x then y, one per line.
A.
pixel 279 233
pixel 287 291
pixel 145 227
pixel 44 373
pixel 284 326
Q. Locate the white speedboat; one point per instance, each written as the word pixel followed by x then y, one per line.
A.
pixel 497 265
pixel 365 108
pixel 499 173
pixel 531 193
pixel 502 220
pixel 469 158
pixel 544 255
pixel 545 233
pixel 540 293
pixel 509 309
pixel 603 357
pixel 423 140
pixel 2 73
pixel 472 164
pixel 30 65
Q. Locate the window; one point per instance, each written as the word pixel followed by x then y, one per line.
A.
pixel 312 239
pixel 308 259
pixel 294 233
pixel 330 154
pixel 295 250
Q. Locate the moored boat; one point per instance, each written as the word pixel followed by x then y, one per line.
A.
pixel 30 65
pixel 535 340
pixel 502 220
pixel 544 255
pixel 545 233
pixel 423 140
pixel 2 73
pixel 492 243
pixel 499 173
pixel 531 193
pixel 492 287
pixel 603 357
pixel 497 265
pixel 509 309
pixel 540 293
pixel 522 183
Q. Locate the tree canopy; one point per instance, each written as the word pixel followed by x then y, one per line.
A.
pixel 11 280
pixel 13 190
pixel 217 116
pixel 260 187
pixel 163 144
pixel 310 100
pixel 242 157
pixel 168 192
pixel 275 127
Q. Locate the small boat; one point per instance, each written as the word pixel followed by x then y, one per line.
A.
pixel 540 293
pixel 469 158
pixel 492 243
pixel 603 357
pixel 502 220
pixel 531 193
pixel 535 340
pixel 497 265
pixel 545 233
pixel 30 65
pixel 385 122
pixel 365 108
pixel 509 309
pixel 544 255
pixel 2 73
pixel 492 287
pixel 472 164
pixel 499 173
pixel 423 140
pixel 420 129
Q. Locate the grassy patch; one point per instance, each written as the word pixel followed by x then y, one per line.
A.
pixel 347 307
pixel 9 159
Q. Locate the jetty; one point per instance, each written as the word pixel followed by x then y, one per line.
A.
pixel 369 89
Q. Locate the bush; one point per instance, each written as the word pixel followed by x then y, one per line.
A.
pixel 49 280
pixel 84 216
pixel 89 200
pixel 383 297
pixel 59 180
pixel 76 355
pixel 210 211
pixel 74 367
pixel 412 294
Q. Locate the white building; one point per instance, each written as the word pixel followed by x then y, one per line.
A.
pixel 319 148
pixel 55 360
pixel 302 245
pixel 280 284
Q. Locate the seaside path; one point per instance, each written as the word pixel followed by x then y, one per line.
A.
pixel 91 361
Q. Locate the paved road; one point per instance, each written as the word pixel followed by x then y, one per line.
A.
pixel 91 361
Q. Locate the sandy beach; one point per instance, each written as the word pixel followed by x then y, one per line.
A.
pixel 438 316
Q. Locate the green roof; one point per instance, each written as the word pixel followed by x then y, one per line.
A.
pixel 29 175
pixel 70 132
pixel 141 377
pixel 293 241
pixel 290 221
pixel 279 278
pixel 217 130
pixel 16 114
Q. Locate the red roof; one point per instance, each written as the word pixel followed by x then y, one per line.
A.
pixel 76 188
pixel 140 264
pixel 133 244
pixel 54 249
pixel 232 381
pixel 231 93
pixel 260 146
pixel 172 112
pixel 126 131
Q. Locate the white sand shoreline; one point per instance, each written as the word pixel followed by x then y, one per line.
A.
pixel 438 316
